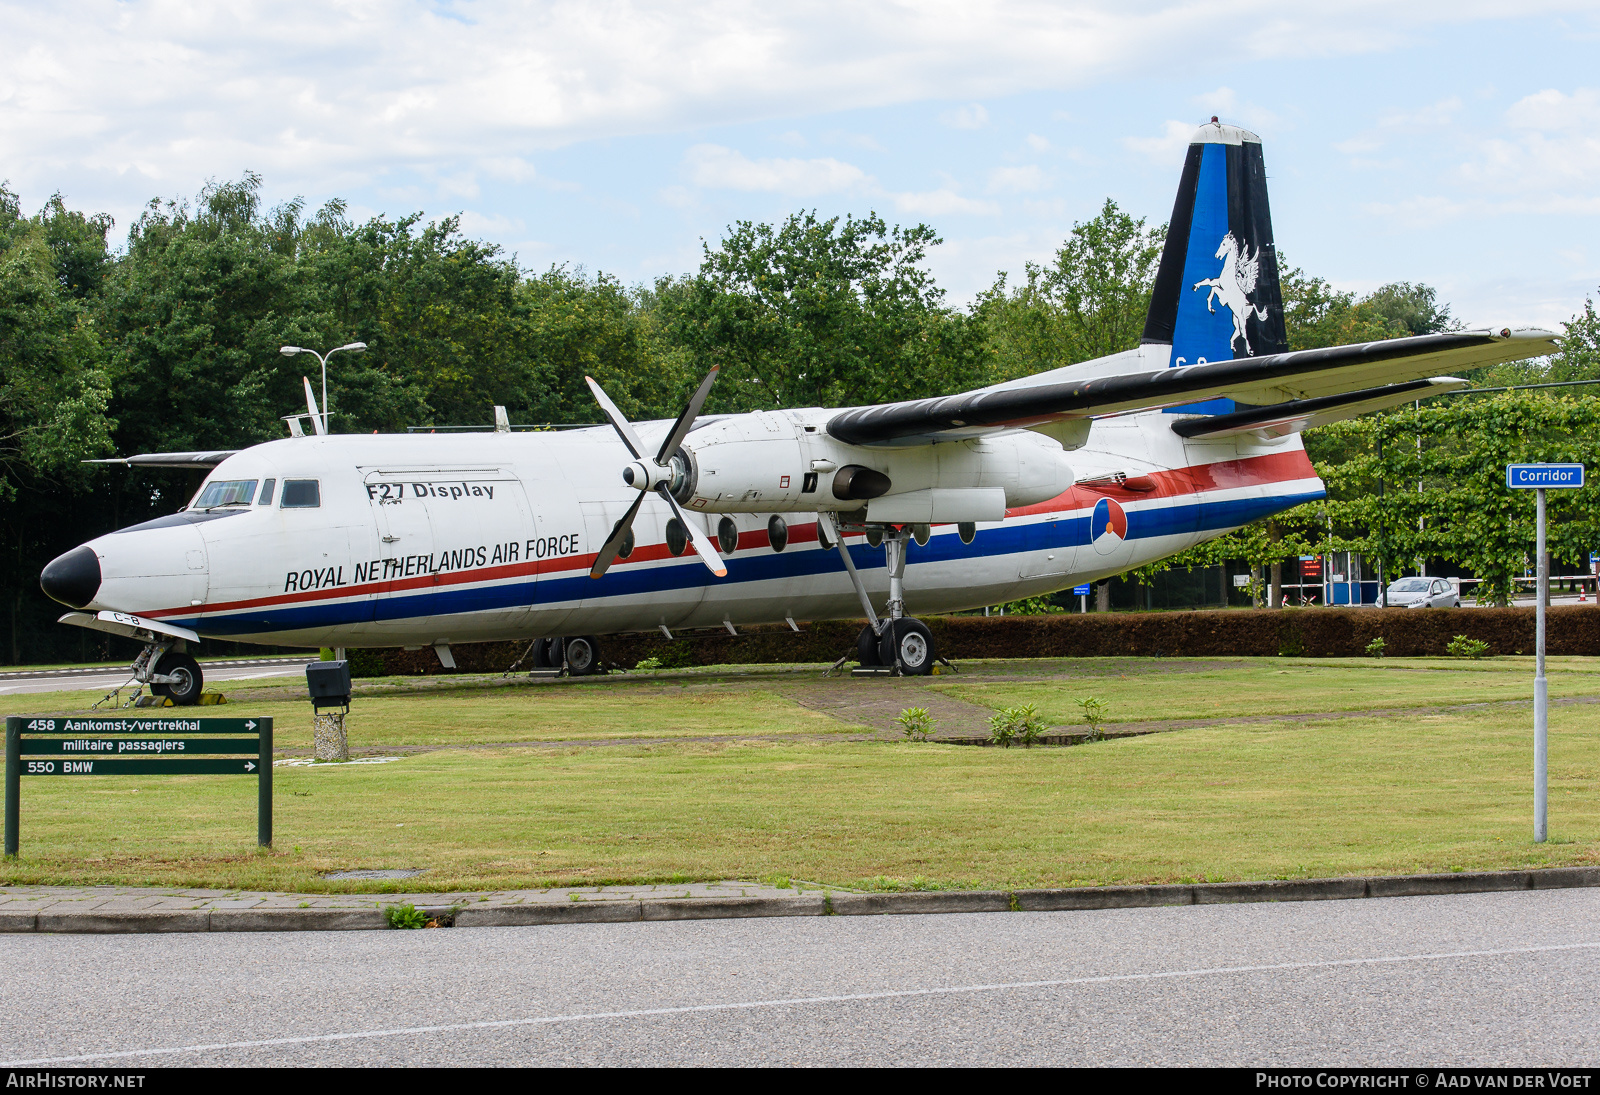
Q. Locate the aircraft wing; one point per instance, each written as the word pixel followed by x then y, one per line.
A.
pixel 1252 381
pixel 171 459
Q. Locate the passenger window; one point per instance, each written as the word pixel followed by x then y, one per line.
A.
pixel 301 494
pixel 266 492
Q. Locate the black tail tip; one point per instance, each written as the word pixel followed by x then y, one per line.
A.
pixel 73 578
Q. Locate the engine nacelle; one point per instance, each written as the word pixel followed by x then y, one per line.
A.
pixel 774 462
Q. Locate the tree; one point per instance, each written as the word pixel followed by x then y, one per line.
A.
pixel 823 313
pixel 1089 303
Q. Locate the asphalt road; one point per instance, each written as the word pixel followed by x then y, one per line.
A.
pixel 57 680
pixel 1491 979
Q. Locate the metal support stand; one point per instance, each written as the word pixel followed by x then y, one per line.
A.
pixel 1541 690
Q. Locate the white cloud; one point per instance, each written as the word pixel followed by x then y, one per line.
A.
pixel 715 167
pixel 1038 143
pixel 1552 109
pixel 1166 149
pixel 1016 180
pixel 967 117
pixel 939 203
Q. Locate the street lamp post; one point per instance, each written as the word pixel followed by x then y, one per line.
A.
pixel 353 347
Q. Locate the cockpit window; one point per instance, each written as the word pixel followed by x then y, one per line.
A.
pixel 233 492
pixel 266 493
pixel 301 494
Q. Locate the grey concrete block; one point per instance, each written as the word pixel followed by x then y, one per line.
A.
pixel 928 901
pixel 97 922
pixel 712 908
pixel 1561 878
pixel 18 921
pixel 1423 885
pixel 1294 889
pixel 1103 897
pixel 575 912
pixel 297 920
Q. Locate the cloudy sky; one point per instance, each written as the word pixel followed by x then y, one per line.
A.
pixel 1444 142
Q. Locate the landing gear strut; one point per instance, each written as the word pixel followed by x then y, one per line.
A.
pixel 896 641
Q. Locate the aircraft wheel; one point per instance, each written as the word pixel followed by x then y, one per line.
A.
pixel 583 655
pixel 911 643
pixel 867 647
pixel 186 689
pixel 541 655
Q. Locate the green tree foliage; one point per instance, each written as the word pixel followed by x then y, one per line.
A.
pixel 821 313
pixel 1089 303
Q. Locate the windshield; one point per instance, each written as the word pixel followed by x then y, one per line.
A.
pixel 235 492
pixel 1410 585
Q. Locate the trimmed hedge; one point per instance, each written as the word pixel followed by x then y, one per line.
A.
pixel 1307 632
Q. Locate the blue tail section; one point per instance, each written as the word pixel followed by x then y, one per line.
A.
pixel 1216 293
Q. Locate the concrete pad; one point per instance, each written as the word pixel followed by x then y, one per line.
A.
pixel 708 908
pixel 1103 897
pixel 98 922
pixel 297 920
pixel 1296 889
pixel 927 901
pixel 575 912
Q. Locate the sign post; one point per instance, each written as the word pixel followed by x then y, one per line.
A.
pixel 73 746
pixel 1540 478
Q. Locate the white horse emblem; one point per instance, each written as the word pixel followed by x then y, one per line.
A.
pixel 1234 285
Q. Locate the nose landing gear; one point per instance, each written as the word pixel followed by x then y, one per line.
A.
pixel 169 671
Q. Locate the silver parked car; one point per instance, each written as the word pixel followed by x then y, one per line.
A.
pixel 1423 593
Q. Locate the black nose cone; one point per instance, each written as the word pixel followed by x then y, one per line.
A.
pixel 73 578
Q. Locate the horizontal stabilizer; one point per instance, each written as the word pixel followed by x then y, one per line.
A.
pixel 171 459
pixel 1297 415
pixel 1272 379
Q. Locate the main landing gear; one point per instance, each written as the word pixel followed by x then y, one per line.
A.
pixel 895 641
pixel 579 655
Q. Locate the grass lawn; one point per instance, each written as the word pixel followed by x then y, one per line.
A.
pixel 1265 686
pixel 470 715
pixel 1417 792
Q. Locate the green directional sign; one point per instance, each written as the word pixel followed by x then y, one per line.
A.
pixel 81 725
pixel 67 766
pixel 42 745
pixel 100 748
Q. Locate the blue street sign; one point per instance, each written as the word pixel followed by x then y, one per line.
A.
pixel 1544 476
pixel 1080 590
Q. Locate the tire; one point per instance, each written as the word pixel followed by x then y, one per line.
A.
pixel 553 650
pixel 184 692
pixel 583 655
pixel 541 654
pixel 909 643
pixel 867 647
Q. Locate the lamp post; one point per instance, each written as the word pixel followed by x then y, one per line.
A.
pixel 353 347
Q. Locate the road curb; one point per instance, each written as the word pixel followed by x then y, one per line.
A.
pixel 809 904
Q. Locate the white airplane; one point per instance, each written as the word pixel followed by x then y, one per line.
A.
pixel 932 505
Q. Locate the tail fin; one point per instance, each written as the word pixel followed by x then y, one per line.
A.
pixel 1216 293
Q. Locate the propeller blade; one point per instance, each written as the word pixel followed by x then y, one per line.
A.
pixel 702 543
pixel 618 423
pixel 685 423
pixel 311 405
pixel 614 542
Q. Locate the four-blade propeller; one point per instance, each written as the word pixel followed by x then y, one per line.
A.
pixel 648 474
